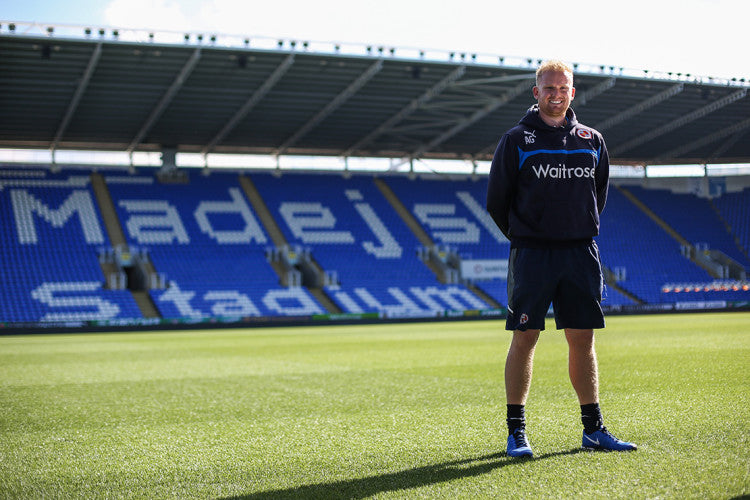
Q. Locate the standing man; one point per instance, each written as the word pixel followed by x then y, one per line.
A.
pixel 547 186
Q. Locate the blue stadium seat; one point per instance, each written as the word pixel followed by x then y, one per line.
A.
pixel 52 231
pixel 452 212
pixel 204 236
pixel 693 218
pixel 630 239
pixel 352 229
pixel 207 240
pixel 734 207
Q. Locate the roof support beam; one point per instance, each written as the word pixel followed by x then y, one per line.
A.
pixel 736 129
pixel 728 143
pixel 73 106
pixel 434 125
pixel 640 107
pixel 165 100
pixel 675 124
pixel 340 99
pixel 253 101
pixel 415 104
pixel 491 81
pixel 584 97
pixel 488 108
pixel 457 104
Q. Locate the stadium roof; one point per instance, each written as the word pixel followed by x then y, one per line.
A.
pixel 101 90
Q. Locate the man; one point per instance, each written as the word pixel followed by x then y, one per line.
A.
pixel 547 186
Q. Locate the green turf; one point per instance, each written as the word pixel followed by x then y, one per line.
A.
pixel 385 411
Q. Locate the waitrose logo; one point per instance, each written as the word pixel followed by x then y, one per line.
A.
pixel 562 172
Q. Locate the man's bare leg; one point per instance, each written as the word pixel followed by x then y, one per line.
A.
pixel 518 366
pixel 582 365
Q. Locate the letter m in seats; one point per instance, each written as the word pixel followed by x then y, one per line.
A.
pixel 25 205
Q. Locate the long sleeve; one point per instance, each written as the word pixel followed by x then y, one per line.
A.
pixel 602 178
pixel 502 182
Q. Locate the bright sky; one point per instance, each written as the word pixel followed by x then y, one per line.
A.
pixel 700 37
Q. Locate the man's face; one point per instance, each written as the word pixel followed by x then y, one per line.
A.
pixel 554 92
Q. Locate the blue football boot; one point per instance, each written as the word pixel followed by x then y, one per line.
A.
pixel 518 445
pixel 602 439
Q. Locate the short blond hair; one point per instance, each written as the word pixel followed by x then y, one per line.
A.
pixel 554 65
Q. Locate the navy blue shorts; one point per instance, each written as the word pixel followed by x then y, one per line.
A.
pixel 569 278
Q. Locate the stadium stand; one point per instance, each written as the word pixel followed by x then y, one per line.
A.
pixel 353 231
pixel 205 237
pixel 693 218
pixel 452 213
pixel 735 209
pixel 51 232
pixel 632 241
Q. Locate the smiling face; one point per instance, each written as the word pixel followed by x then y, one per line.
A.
pixel 554 91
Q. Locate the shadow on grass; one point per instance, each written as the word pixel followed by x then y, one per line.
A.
pixel 402 480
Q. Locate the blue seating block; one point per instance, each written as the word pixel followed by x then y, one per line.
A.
pixel 452 212
pixel 630 239
pixel 353 230
pixel 51 231
pixel 207 240
pixel 734 207
pixel 693 218
pixel 205 237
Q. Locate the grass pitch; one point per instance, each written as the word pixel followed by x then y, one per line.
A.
pixel 384 411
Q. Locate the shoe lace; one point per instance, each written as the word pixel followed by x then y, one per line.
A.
pixel 519 435
pixel 604 431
